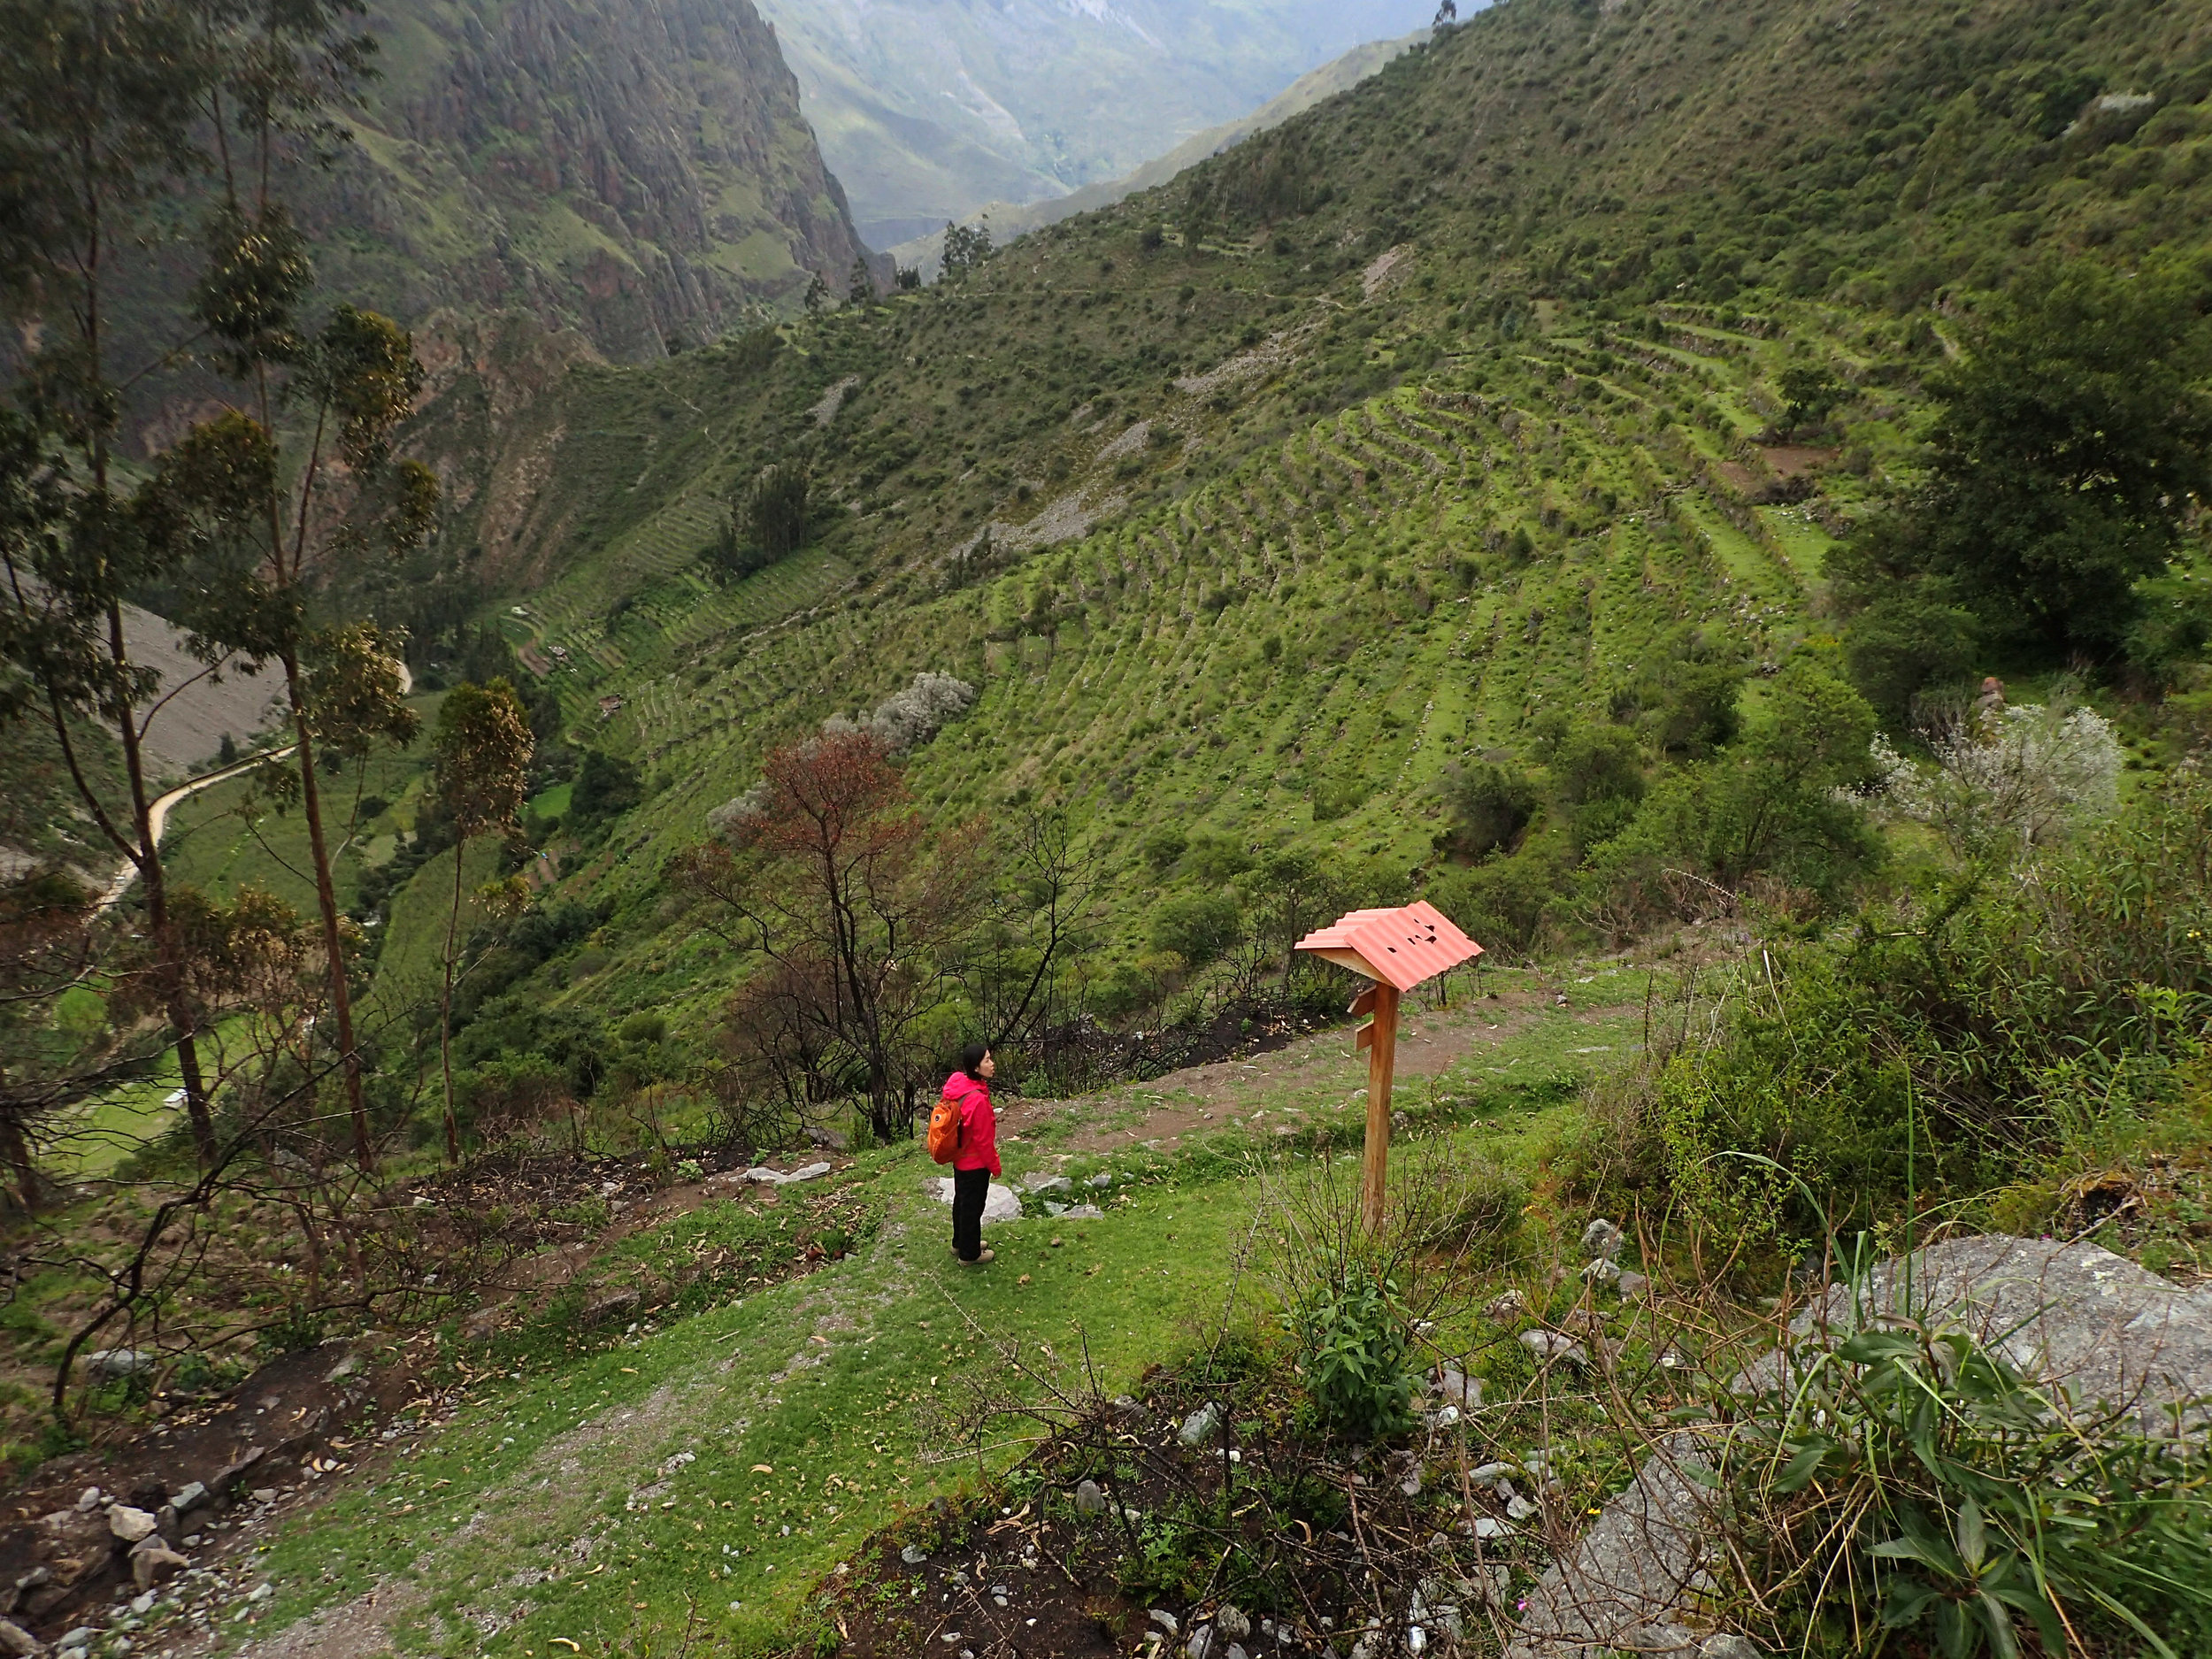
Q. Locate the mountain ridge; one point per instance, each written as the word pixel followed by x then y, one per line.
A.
pixel 642 174
pixel 927 110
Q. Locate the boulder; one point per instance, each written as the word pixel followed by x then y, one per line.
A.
pixel 152 1561
pixel 130 1525
pixel 1602 1239
pixel 1550 1347
pixel 1088 1499
pixel 112 1364
pixel 776 1177
pixel 1000 1203
pixel 1203 1427
pixel 1454 1387
pixel 1048 1184
pixel 2072 1315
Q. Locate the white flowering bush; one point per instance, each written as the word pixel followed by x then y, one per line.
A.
pixel 2009 777
pixel 910 718
pixel 905 719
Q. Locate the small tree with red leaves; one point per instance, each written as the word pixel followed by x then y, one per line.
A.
pixel 858 913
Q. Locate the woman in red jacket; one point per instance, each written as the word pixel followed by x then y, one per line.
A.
pixel 977 1161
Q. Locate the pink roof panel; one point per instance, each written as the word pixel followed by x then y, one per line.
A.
pixel 1401 947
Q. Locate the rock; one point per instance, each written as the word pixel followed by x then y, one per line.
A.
pixel 1203 1427
pixel 1235 1652
pixel 1082 1212
pixel 1165 1620
pixel 1054 1211
pixel 89 1500
pixel 187 1497
pixel 1000 1203
pixel 1631 1285
pixel 1232 1622
pixel 129 1525
pixel 1048 1184
pixel 349 1366
pixel 1518 1509
pixel 776 1177
pixel 2071 1315
pixel 1455 1387
pixel 15 1639
pixel 1602 1239
pixel 1489 1474
pixel 1411 1484
pixel 1727 1645
pixel 1088 1499
pixel 1200 1643
pixel 913 1554
pixel 1101 1181
pixel 113 1364
pixel 1512 1305
pixel 81 1637
pixel 1444 1418
pixel 264 1494
pixel 829 1139
pixel 1604 1271
pixel 1550 1346
pixel 153 1562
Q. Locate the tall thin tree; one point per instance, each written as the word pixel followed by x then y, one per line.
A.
pixel 482 776
pixel 97 106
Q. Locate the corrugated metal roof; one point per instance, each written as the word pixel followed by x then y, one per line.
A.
pixel 1401 947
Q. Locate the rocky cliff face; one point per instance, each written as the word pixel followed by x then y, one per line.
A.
pixel 636 170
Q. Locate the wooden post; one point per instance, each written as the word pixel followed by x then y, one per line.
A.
pixel 1379 1038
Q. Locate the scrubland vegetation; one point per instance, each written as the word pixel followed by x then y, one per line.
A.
pixel 1711 499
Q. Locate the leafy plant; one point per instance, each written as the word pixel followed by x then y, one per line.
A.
pixel 1918 1473
pixel 1354 1337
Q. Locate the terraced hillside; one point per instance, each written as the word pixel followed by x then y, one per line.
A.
pixel 1375 446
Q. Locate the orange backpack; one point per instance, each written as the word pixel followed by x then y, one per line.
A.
pixel 944 1131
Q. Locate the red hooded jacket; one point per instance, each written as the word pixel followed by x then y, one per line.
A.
pixel 979 1124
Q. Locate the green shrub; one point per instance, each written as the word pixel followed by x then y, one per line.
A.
pixel 1197 927
pixel 1490 804
pixel 1355 1343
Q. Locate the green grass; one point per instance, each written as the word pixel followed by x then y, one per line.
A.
pixel 499 1492
pixel 229 836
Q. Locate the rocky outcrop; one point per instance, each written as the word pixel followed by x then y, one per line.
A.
pixel 2071 1315
pixel 638 174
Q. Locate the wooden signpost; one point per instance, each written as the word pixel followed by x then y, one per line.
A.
pixel 1397 949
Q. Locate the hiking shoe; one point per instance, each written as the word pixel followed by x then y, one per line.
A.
pixel 985 1256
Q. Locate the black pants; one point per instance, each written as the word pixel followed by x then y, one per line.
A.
pixel 970 1189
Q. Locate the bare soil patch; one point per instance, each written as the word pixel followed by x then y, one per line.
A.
pixel 1788 460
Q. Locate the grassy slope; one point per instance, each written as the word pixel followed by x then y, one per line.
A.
pixel 462 1515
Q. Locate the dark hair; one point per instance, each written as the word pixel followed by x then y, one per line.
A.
pixel 973 1056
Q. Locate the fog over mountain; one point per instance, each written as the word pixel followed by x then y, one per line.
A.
pixel 926 109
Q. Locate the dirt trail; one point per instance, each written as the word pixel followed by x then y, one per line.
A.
pixel 1317 1070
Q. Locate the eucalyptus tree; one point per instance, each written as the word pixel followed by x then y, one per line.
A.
pixel 98 107
pixel 303 477
pixel 482 776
